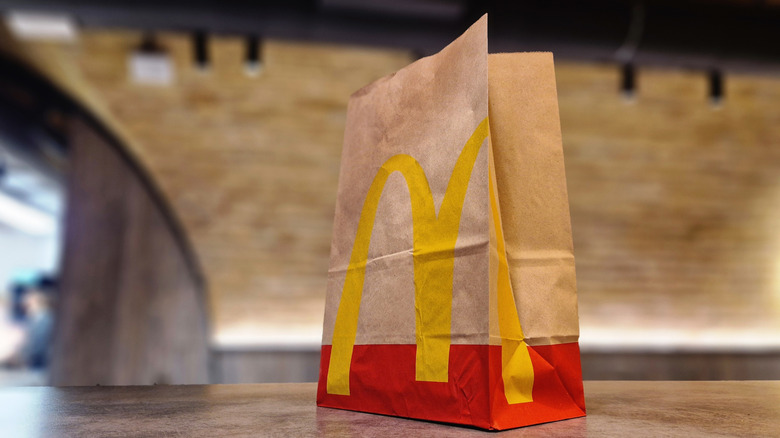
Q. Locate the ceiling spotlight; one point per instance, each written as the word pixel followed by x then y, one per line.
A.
pixel 254 55
pixel 201 52
pixel 41 26
pixel 149 64
pixel 716 88
pixel 628 82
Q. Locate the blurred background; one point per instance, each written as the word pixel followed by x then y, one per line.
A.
pixel 168 174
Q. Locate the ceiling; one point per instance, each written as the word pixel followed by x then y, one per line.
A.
pixel 726 35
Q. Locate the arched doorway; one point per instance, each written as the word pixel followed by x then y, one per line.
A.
pixel 131 298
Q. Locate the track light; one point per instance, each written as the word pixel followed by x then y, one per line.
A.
pixel 149 64
pixel 628 82
pixel 200 49
pixel 43 26
pixel 716 88
pixel 254 55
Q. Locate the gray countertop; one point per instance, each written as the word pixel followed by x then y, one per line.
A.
pixel 624 409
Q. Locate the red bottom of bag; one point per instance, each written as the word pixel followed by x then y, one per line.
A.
pixel 382 381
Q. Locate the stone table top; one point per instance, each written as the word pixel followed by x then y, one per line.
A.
pixel 621 409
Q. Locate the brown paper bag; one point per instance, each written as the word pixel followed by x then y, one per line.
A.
pixel 451 289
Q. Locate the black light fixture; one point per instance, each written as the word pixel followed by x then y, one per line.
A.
pixel 149 44
pixel 254 55
pixel 628 82
pixel 200 48
pixel 716 87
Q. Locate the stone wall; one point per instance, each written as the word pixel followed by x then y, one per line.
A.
pixel 675 205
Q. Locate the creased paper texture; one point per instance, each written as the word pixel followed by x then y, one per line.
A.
pixel 428 111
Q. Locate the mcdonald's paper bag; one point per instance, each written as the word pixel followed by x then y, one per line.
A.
pixel 451 290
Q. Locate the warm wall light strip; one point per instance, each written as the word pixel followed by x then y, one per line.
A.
pixel 670 340
pixel 25 218
pixel 593 339
pixel 271 338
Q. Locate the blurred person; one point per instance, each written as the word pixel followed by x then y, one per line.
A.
pixel 38 328
pixel 25 343
pixel 11 332
pixel 17 305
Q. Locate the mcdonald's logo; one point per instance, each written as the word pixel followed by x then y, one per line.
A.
pixel 434 239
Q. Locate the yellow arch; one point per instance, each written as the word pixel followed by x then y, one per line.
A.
pixel 517 370
pixel 434 240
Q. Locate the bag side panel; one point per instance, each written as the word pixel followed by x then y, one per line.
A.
pixel 530 182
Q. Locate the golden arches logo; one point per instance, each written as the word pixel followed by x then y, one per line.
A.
pixel 434 238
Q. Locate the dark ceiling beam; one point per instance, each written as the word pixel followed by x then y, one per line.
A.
pixel 723 35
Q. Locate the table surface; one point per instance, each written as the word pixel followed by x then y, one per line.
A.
pixel 624 409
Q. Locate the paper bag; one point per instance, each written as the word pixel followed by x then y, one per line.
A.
pixel 451 290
